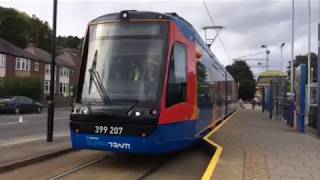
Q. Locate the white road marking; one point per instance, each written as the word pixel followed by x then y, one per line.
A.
pixel 10 123
pixel 31 118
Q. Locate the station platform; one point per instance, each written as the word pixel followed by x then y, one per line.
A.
pixel 24 153
pixel 255 147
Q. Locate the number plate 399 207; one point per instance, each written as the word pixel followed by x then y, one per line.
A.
pixel 116 130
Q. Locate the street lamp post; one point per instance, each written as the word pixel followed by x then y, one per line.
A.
pixel 267 55
pixel 52 86
pixel 281 54
pixel 318 79
pixel 318 75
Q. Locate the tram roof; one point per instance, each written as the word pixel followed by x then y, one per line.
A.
pixel 133 14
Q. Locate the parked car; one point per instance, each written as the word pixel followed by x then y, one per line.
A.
pixel 19 104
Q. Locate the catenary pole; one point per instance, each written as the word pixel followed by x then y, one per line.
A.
pixel 52 79
pixel 292 52
pixel 309 61
pixel 318 76
pixel 281 54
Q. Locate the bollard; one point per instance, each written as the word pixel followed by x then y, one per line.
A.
pixel 300 123
pixel 291 114
pixel 20 119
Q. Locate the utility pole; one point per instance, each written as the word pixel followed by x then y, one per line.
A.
pixel 292 52
pixel 52 79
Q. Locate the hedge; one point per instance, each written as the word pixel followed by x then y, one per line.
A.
pixel 22 86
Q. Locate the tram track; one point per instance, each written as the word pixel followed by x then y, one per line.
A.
pixel 101 165
pixel 103 162
pixel 69 172
pixel 154 169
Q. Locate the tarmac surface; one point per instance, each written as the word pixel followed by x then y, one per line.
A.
pixel 255 147
pixel 33 126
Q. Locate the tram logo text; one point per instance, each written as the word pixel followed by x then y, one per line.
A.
pixel 119 145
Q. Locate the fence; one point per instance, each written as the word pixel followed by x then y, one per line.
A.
pixel 277 102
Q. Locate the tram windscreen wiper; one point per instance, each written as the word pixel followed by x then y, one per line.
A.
pixel 95 77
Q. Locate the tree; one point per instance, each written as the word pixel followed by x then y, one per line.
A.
pixel 68 41
pixel 303 59
pixel 21 29
pixel 242 74
pixel 41 34
pixel 14 26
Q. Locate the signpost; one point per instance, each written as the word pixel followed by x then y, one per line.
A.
pixel 300 87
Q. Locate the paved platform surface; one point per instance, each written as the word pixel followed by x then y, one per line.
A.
pixel 32 149
pixel 255 147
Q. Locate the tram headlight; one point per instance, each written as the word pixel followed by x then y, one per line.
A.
pixel 137 113
pixel 75 109
pixel 80 109
pixel 124 15
pixel 84 110
pixel 153 112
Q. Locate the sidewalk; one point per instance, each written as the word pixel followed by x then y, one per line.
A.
pixel 255 147
pixel 21 154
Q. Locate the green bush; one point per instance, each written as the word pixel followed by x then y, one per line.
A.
pixel 22 86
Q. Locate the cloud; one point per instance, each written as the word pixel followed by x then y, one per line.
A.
pixel 248 23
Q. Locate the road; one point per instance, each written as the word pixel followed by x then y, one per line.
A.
pixel 33 126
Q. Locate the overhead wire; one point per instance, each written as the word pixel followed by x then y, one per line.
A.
pixel 212 22
pixel 249 55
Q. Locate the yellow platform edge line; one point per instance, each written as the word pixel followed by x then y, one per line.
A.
pixel 215 158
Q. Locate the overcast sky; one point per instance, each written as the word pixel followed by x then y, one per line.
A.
pixel 249 23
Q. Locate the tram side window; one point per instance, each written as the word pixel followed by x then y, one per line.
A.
pixel 177 83
pixel 204 79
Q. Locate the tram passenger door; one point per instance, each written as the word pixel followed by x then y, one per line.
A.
pixel 178 92
pixel 176 100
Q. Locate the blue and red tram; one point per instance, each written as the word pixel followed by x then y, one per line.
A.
pixel 148 84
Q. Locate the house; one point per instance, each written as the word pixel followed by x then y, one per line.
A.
pixel 71 58
pixel 64 72
pixel 35 62
pixel 15 62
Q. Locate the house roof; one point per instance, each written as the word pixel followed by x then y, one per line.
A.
pixel 46 57
pixel 66 59
pixel 11 49
pixel 70 56
pixel 273 73
pixel 42 54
